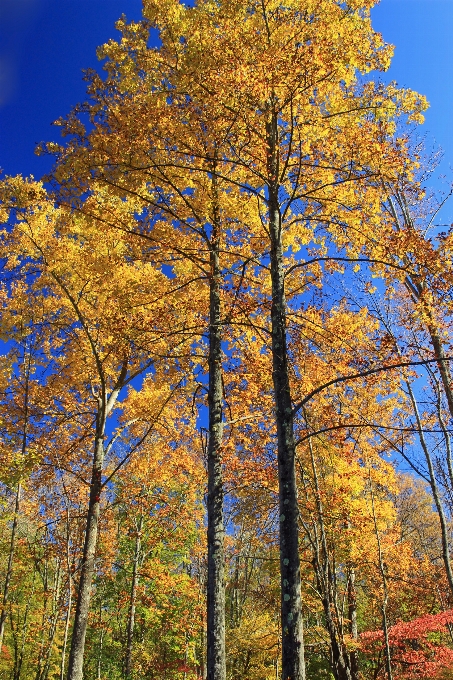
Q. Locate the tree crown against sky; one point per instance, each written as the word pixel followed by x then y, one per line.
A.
pixel 209 173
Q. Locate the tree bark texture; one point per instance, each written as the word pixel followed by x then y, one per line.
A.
pixel 75 667
pixel 216 657
pixel 293 667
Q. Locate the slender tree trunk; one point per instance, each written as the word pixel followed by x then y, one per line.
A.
pixel 293 666
pixel 9 569
pixel 19 655
pixel 443 365
pixel 75 669
pixel 54 623
pixel 446 434
pixel 416 290
pixel 352 612
pixel 339 660
pixel 45 616
pixel 99 663
pixel 201 652
pixel 216 658
pixel 12 545
pixel 132 601
pixel 203 670
pixel 385 628
pixel 435 491
pixel 69 609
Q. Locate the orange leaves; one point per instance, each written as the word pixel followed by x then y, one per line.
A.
pixel 117 275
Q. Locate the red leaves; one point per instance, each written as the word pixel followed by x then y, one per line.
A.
pixel 416 646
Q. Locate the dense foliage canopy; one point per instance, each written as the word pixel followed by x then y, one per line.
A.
pixel 228 308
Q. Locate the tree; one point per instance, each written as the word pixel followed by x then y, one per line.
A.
pixel 293 177
pixel 102 334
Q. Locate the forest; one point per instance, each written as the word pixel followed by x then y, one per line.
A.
pixel 226 397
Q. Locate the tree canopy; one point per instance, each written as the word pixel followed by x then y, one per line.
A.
pixel 226 396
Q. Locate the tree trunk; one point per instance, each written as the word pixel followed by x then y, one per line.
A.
pixel 338 659
pixel 69 608
pixel 132 601
pixel 19 654
pixel 9 570
pixel 293 667
pixel 55 617
pixel 352 613
pixel 75 668
pixel 45 616
pixel 99 663
pixel 12 545
pixel 216 658
pixel 436 341
pixel 385 627
pixel 435 491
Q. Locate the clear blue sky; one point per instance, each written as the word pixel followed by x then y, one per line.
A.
pixel 44 44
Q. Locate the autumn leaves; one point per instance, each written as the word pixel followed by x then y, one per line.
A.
pixel 187 254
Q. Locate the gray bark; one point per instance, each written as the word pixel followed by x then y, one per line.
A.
pixel 105 405
pixel 43 673
pixel 385 627
pixel 75 667
pixel 132 600
pixel 99 663
pixel 293 666
pixel 435 491
pixel 69 607
pixel 444 368
pixel 352 612
pixel 12 545
pixel 216 658
pixel 339 659
pixel 9 569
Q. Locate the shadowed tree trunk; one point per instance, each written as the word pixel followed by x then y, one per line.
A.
pixel 216 658
pixel 75 668
pixel 293 667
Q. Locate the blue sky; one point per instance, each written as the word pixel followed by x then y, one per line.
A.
pixel 44 45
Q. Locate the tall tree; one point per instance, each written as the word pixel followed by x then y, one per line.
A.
pixel 278 145
pixel 275 153
pixel 102 333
